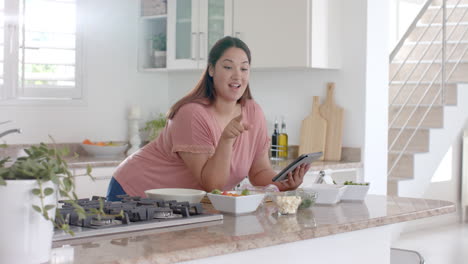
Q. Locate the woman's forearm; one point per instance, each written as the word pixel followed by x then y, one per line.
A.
pixel 216 171
pixel 264 177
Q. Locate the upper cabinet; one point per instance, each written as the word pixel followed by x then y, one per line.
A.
pixel 152 34
pixel 289 34
pixel 280 34
pixel 193 28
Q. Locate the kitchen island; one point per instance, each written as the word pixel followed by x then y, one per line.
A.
pixel 326 234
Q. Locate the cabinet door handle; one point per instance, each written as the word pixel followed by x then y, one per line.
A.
pixel 193 52
pixel 202 47
pixel 237 35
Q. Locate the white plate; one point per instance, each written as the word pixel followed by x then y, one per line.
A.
pixel 178 194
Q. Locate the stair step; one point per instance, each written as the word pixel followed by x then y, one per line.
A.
pixel 405 166
pixel 392 188
pixel 428 51
pixel 397 179
pixel 417 91
pixel 408 152
pixel 419 142
pixel 432 33
pixel 456 14
pixel 449 2
pixel 428 72
pixel 434 118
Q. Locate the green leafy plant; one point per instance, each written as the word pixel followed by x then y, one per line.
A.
pixel 45 164
pixel 154 127
pixel 159 41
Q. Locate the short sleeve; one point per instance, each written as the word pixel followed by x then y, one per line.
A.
pixel 191 130
pixel 263 140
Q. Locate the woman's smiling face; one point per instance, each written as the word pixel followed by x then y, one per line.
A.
pixel 231 74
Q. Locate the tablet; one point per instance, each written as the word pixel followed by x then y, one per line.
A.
pixel 304 158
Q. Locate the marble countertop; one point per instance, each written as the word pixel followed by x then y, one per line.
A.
pixel 257 230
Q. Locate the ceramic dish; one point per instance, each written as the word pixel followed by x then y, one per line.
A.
pixel 105 151
pixel 327 193
pixel 178 194
pixel 355 192
pixel 236 204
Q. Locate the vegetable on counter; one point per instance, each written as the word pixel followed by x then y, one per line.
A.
pixel 100 143
pixel 245 192
pixel 216 191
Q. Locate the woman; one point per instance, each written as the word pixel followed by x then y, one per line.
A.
pixel 215 135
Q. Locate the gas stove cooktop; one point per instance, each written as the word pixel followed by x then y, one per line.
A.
pixel 138 214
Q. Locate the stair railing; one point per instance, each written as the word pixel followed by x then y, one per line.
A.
pixel 441 72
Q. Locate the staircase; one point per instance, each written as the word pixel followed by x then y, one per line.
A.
pixel 425 69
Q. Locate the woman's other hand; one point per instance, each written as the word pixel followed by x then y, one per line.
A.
pixel 295 178
pixel 234 128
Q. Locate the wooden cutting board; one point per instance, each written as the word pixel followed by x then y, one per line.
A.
pixel 313 131
pixel 333 114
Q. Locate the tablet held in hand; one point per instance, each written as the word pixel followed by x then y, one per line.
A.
pixel 303 159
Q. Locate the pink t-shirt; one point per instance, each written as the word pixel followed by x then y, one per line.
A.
pixel 193 129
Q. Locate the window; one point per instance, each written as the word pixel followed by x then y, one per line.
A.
pixel 39 44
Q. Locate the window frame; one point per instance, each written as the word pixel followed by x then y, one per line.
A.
pixel 11 92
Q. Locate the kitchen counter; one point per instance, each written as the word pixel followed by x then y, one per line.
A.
pixel 84 160
pixel 351 158
pixel 357 222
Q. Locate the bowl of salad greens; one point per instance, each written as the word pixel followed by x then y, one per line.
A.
pixel 355 191
pixel 236 202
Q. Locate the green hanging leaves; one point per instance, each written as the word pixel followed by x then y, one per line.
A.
pixel 45 164
pixel 48 191
pixel 37 209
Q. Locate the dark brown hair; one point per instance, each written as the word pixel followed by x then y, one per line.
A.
pixel 204 92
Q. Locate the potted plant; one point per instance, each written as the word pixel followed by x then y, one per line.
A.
pixel 154 127
pixel 159 50
pixel 29 188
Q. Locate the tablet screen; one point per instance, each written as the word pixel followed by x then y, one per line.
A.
pixel 302 159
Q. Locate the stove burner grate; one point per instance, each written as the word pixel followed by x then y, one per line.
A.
pixel 135 209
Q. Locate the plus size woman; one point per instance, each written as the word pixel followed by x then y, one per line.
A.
pixel 216 135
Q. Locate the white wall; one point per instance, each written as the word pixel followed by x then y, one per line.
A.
pixel 376 97
pixel 111 81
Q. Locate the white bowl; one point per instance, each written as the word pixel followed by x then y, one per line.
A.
pixel 355 192
pixel 236 204
pixel 327 193
pixel 178 194
pixel 104 151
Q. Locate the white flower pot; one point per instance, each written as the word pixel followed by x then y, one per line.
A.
pixel 26 237
pixel 159 59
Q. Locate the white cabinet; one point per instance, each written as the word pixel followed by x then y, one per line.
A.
pixel 152 33
pixel 86 187
pixel 193 28
pixel 280 34
pixel 289 34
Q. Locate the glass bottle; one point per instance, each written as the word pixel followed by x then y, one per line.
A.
pixel 283 141
pixel 274 141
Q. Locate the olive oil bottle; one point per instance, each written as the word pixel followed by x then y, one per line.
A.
pixel 283 141
pixel 274 142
